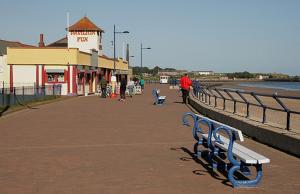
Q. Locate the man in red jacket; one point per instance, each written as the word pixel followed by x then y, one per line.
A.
pixel 185 83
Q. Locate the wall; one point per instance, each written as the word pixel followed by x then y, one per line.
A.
pixel 109 63
pixel 32 56
pixel 24 75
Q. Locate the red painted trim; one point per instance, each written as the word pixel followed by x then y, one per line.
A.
pixel 97 81
pixel 74 89
pixel 37 76
pixel 43 75
pixel 11 78
pixel 83 82
pixel 91 82
pixel 68 79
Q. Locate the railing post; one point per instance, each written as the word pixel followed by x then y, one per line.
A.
pixel 234 106
pixel 261 104
pixel 3 93
pixel 224 99
pixel 285 109
pixel 248 105
pixel 264 114
pixel 23 93
pixel 14 95
pixel 288 120
pixel 215 101
pixel 245 100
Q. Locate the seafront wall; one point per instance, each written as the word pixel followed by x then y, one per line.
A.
pixel 280 139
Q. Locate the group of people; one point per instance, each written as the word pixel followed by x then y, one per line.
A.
pixel 185 83
pixel 123 86
pixel 131 85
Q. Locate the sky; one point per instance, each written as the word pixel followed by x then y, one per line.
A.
pixel 218 35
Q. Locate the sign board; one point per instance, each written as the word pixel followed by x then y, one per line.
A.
pixel 85 41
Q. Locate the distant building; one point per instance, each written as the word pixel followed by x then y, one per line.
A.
pixel 203 72
pixel 172 73
pixel 262 77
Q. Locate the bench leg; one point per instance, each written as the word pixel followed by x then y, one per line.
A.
pixel 197 151
pixel 244 183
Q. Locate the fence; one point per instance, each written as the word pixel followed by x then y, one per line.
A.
pixel 265 105
pixel 25 94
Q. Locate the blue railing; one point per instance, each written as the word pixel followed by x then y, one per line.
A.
pixel 211 95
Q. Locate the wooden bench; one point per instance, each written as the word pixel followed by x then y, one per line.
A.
pixel 240 158
pixel 158 100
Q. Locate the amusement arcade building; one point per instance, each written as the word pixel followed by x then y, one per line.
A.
pixel 75 61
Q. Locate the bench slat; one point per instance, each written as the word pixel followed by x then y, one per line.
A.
pixel 246 155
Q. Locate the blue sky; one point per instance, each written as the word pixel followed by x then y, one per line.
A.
pixel 218 35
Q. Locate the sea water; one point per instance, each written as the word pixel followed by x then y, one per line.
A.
pixel 274 85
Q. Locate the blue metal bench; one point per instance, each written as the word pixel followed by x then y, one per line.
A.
pixel 240 158
pixel 158 100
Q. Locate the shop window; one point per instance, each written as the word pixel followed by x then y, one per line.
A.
pixel 80 76
pixel 55 77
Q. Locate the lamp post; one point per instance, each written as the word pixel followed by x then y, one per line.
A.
pixel 124 32
pixel 113 77
pixel 142 48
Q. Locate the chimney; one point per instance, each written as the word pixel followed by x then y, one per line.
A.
pixel 41 43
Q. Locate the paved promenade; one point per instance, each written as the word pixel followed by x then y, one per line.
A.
pixel 88 145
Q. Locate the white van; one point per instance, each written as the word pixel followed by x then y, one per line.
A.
pixel 164 79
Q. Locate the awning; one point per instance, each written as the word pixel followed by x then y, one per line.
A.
pixel 55 70
pixel 121 72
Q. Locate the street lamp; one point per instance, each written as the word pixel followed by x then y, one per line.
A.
pixel 142 55
pixel 124 32
pixel 113 78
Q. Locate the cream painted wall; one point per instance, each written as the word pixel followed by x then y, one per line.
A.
pixel 51 56
pixel 24 75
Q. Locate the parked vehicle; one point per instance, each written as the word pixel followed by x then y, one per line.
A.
pixel 164 79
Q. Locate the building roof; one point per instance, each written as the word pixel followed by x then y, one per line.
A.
pixel 84 24
pixel 63 42
pixel 5 43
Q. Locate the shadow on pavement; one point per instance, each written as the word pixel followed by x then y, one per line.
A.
pixel 4 110
pixel 205 163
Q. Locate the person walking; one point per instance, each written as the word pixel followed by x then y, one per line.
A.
pixel 123 88
pixel 142 84
pixel 130 87
pixel 103 85
pixel 185 83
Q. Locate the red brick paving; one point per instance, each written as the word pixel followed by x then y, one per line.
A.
pixel 92 145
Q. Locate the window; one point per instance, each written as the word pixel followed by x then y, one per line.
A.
pixel 55 77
